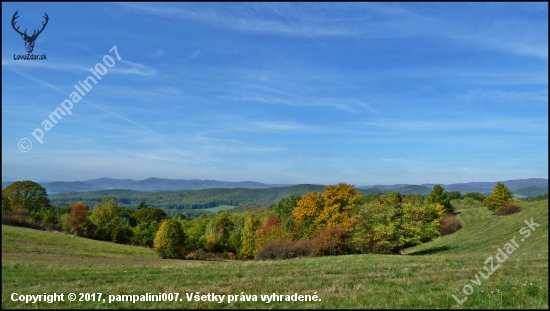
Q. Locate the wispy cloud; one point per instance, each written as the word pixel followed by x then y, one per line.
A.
pixel 197 52
pixel 134 68
pixel 285 126
pixel 128 67
pixel 503 124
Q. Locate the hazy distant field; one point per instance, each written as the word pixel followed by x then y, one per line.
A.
pixel 38 262
pixel 216 209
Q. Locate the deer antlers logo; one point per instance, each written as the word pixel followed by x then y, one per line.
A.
pixel 29 40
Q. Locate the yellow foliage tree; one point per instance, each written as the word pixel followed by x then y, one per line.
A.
pixel 335 208
pixel 251 226
pixel 340 205
pixel 441 211
pixel 305 212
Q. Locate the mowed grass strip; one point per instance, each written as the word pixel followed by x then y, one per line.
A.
pixel 38 262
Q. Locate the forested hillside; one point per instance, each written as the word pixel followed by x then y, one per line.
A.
pixel 187 199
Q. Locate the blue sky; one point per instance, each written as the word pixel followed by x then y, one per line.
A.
pixel 363 93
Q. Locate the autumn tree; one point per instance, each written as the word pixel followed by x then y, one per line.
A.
pixel 26 203
pixel 251 226
pixel 26 195
pixel 340 205
pixel 501 194
pixel 335 207
pixel 169 242
pixel 78 221
pixel 272 231
pixel 306 211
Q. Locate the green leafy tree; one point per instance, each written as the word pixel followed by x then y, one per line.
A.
pixel 144 234
pixel 478 196
pixel 454 195
pixel 377 230
pixel 26 195
pixel 501 194
pixel 439 196
pixel 149 215
pixel 387 225
pixel 284 207
pixel 195 230
pixel 112 221
pixel 169 242
pixel 5 204
pixel 142 205
pixel 223 227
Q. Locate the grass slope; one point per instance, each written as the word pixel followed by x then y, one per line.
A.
pixel 37 262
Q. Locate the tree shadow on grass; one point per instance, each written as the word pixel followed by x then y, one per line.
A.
pixel 432 250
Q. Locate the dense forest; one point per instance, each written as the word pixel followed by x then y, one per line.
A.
pixel 182 201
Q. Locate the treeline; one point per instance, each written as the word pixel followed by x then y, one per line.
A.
pixel 337 221
pixel 536 198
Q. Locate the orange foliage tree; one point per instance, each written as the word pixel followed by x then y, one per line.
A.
pixel 77 218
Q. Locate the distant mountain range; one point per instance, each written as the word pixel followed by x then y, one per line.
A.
pixel 535 185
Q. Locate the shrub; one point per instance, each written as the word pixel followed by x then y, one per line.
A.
pixel 449 224
pixel 506 208
pixel 20 218
pixel 169 241
pixel 198 254
pixel 285 250
pixel 332 241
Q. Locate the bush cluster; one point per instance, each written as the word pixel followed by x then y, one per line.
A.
pixel 449 224
pixel 285 250
pixel 507 208
pixel 20 218
pixel 330 242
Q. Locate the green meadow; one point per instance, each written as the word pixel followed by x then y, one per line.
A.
pixel 426 276
pixel 216 209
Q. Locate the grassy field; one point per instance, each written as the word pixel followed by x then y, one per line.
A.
pixel 216 209
pixel 37 262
